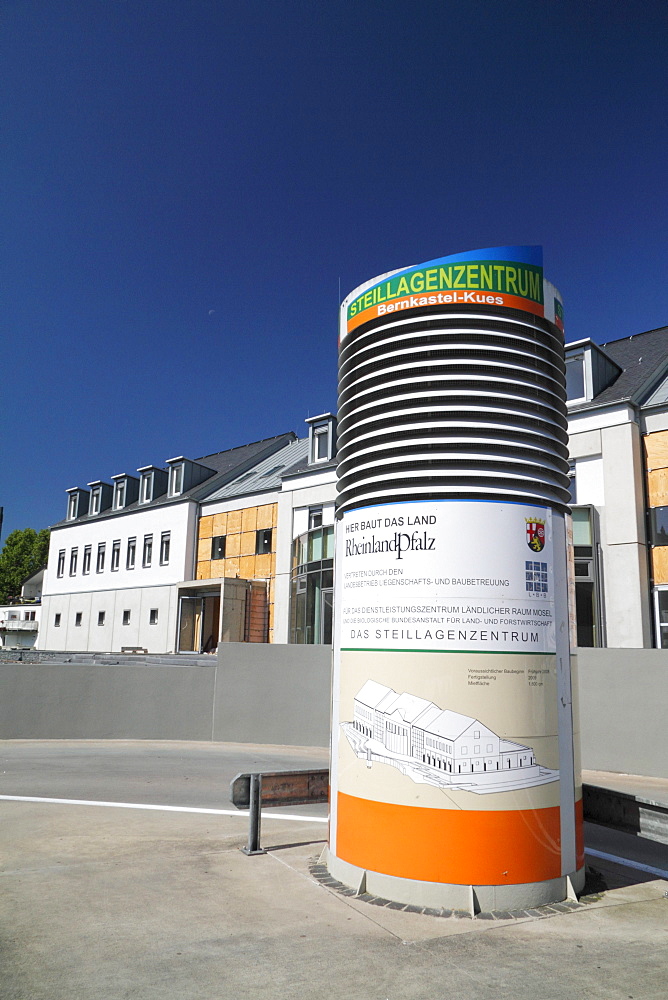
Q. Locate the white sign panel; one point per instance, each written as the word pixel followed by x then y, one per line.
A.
pixel 447 576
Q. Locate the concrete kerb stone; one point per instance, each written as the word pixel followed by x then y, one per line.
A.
pixel 321 874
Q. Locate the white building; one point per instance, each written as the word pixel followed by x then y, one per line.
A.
pixel 618 443
pixel 19 621
pixel 124 558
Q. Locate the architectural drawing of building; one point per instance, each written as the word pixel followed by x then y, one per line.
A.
pixel 437 746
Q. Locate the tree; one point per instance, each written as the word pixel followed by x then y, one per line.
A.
pixel 25 552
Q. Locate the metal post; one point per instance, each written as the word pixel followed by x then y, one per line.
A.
pixel 253 846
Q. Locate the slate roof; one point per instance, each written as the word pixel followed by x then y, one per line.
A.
pixel 640 357
pixel 266 475
pixel 227 465
pixel 303 466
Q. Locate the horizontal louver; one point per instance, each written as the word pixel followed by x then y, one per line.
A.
pixel 465 405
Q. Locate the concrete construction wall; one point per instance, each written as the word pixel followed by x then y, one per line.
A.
pixel 256 693
pixel 623 705
pixel 250 693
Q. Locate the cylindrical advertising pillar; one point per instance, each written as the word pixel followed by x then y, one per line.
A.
pixel 453 775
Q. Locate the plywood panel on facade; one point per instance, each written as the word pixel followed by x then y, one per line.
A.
pixel 203 549
pixel 247 545
pixel 233 522
pixel 660 564
pixel 204 571
pixel 219 524
pixel 217 568
pixel 657 488
pixel 205 527
pixel 232 545
pixel 247 567
pixel 263 565
pixel 231 567
pixel 656 450
pixel 266 515
pixel 249 519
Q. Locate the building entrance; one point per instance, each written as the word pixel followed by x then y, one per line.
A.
pixel 199 623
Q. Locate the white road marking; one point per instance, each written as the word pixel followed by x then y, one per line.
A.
pixel 180 809
pixel 625 861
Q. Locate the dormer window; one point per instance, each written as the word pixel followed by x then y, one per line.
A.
pixel 146 487
pixel 320 445
pixel 76 506
pixel 95 498
pixel 152 483
pixel 322 438
pixel 589 371
pixel 575 377
pixel 175 480
pixel 126 490
pixel 101 496
pixel 119 495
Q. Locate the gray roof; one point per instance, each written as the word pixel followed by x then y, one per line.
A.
pixel 227 466
pixel 643 358
pixel 264 476
pixel 303 466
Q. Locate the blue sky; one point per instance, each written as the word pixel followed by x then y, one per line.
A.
pixel 188 184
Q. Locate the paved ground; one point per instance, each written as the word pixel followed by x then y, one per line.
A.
pixel 116 903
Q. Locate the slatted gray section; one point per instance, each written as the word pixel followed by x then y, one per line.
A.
pixel 453 405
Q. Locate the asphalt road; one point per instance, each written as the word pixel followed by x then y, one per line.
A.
pixel 160 773
pixel 198 775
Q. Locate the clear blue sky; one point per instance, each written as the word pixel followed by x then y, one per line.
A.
pixel 187 183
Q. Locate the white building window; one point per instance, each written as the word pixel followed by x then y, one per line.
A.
pixel 126 617
pixel 146 487
pixel 314 517
pixel 322 438
pixel 85 568
pixel 164 548
pixel 153 616
pixel 115 555
pixel 131 553
pixel 78 619
pixel 175 480
pixel 61 563
pixel 575 377
pixel 119 494
pixel 147 557
pixel 99 566
pixel 95 500
pixel 100 617
pixel 56 620
pixel 72 506
pixel 73 561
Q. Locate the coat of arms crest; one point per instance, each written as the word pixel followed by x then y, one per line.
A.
pixel 535 534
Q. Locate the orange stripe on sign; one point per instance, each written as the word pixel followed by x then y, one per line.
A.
pixel 397 307
pixel 449 845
